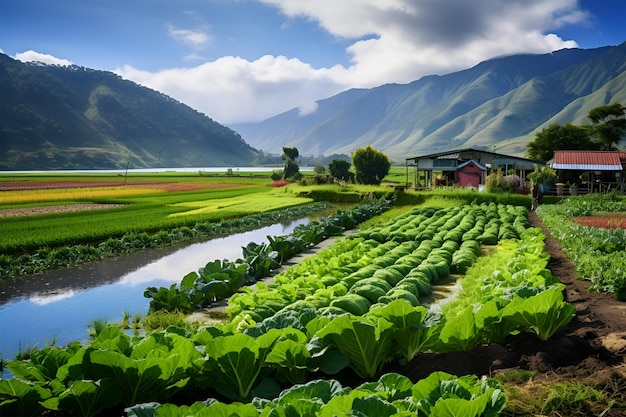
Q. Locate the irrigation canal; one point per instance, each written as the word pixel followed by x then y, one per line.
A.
pixel 59 305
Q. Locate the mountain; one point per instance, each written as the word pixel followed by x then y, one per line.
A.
pixel 497 105
pixel 58 117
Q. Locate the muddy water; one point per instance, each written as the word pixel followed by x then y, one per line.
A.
pixel 61 304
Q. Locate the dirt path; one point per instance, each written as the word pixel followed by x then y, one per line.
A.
pixel 590 349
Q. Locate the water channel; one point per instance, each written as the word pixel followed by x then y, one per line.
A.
pixel 59 305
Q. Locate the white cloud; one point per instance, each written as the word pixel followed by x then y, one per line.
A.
pixel 233 89
pixel 197 38
pixel 392 41
pixel 32 56
pixel 307 108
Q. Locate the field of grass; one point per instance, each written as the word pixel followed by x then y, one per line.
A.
pixel 147 203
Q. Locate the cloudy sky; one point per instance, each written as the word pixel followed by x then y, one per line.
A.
pixel 247 60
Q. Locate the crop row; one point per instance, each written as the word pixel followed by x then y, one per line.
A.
pixel 598 254
pixel 246 360
pixel 132 214
pixel 440 394
pixel 65 256
pixel 218 280
pixel 400 259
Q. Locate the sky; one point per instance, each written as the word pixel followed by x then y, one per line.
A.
pixel 247 60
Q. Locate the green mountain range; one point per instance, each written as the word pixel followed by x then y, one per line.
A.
pixel 498 105
pixel 58 117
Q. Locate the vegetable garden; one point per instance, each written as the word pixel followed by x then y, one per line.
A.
pixel 350 311
pixel 598 253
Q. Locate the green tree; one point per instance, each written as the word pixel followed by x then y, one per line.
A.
pixel 320 169
pixel 340 169
pixel 559 137
pixel 291 169
pixel 608 125
pixel 371 165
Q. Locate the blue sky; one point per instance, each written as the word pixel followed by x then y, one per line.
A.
pixel 246 60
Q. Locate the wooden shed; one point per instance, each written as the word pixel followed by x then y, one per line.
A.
pixel 471 174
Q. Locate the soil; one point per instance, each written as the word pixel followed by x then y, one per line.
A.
pixel 31 211
pixel 591 349
pixel 611 221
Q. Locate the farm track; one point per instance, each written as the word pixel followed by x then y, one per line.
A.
pixel 591 349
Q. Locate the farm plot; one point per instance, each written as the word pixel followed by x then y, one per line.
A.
pixel 352 308
pixel 597 246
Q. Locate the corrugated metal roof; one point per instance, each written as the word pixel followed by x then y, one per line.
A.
pixel 449 156
pixel 588 160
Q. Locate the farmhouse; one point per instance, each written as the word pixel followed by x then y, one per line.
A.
pixel 589 171
pixel 464 167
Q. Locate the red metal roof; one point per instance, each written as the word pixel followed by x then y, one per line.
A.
pixel 589 160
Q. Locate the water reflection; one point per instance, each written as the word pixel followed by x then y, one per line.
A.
pixel 61 304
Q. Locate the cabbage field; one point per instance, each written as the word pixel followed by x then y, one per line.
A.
pixel 350 312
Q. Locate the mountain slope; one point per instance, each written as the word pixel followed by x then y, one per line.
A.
pixel 54 117
pixel 496 105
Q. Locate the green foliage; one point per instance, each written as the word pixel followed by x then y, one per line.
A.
pixel 340 169
pixel 557 137
pixel 598 254
pixel 371 165
pixel 543 175
pixel 291 171
pixel 44 259
pixel 221 279
pixel 235 362
pixel 79 102
pixel 543 313
pixel 392 394
pixel 366 343
pixel 608 125
pixel 607 128
pixel 281 332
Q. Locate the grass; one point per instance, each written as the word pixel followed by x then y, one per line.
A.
pixel 527 397
pixel 139 209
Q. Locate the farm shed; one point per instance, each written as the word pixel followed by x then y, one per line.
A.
pixel 471 174
pixel 454 166
pixel 590 171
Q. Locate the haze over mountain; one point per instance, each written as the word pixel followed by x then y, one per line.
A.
pixel 497 105
pixel 67 117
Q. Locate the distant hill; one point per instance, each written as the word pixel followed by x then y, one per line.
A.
pixel 498 105
pixel 55 117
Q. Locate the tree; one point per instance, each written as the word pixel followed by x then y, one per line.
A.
pixel 371 165
pixel 557 137
pixel 608 125
pixel 607 128
pixel 320 169
pixel 291 169
pixel 340 169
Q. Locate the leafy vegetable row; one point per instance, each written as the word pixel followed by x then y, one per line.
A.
pixel 598 254
pixel 218 280
pixel 506 293
pixel 400 259
pixel 440 394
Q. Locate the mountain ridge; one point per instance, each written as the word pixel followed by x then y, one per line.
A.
pixel 496 105
pixel 58 117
